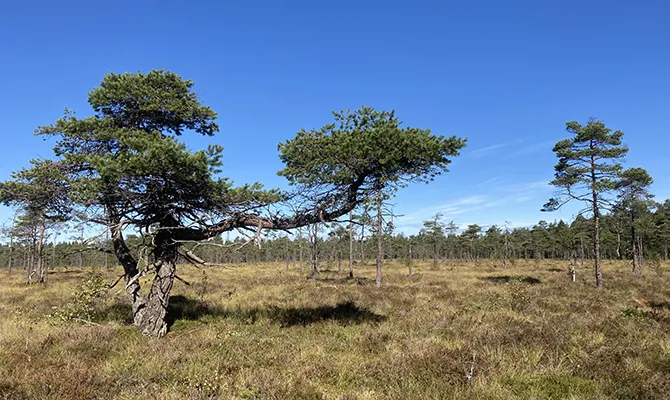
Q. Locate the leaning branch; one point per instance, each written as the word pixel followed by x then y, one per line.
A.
pixel 195 260
pixel 247 221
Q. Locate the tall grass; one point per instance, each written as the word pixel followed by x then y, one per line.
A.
pixel 258 332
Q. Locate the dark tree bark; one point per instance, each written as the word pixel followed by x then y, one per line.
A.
pixel 152 319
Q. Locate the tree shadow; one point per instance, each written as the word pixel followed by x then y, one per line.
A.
pixel 501 279
pixel 660 305
pixel 65 271
pixel 181 308
pixel 184 308
pixel 119 312
pixel 346 313
pixel 346 280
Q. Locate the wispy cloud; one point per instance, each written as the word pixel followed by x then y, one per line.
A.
pixel 477 153
pixel 471 207
pixel 528 187
pixel 533 148
pixel 450 209
pixel 489 181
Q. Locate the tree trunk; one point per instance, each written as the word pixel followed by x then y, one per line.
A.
pixel 150 314
pixel 11 251
pixel 30 270
pixel 362 241
pixel 596 226
pixel 106 242
pixel 634 247
pixel 288 256
pixel 351 245
pixel 41 271
pixel 314 255
pixel 152 320
pixel 380 248
pixel 596 249
pixel 300 251
pixel 53 251
pixel 339 259
pixel 409 258
pixel 129 264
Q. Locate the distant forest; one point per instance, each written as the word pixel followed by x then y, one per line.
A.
pixel 436 241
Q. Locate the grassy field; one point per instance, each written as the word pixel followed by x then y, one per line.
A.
pixel 258 332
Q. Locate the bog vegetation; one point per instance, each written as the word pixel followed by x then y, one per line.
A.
pixel 470 330
pixel 447 311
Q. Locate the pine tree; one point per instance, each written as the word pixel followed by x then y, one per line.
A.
pixel 588 171
pixel 635 199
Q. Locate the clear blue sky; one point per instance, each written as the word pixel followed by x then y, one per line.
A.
pixel 506 75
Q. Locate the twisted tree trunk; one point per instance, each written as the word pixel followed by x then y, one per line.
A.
pixel 152 320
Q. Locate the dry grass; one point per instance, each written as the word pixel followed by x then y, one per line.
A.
pixel 259 332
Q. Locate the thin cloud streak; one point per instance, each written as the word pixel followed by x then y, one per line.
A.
pixel 485 150
pixel 532 149
pixel 488 181
pixel 507 196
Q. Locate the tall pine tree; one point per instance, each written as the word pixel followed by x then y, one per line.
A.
pixel 588 171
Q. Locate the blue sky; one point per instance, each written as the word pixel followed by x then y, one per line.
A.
pixel 506 75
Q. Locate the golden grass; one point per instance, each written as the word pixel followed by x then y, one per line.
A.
pixel 257 332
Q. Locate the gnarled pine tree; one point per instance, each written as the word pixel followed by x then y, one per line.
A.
pixel 128 170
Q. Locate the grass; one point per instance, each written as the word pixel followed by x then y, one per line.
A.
pixel 258 332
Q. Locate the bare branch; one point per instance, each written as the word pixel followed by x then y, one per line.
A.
pixel 180 279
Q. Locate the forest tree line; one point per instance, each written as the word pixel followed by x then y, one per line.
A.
pixel 436 240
